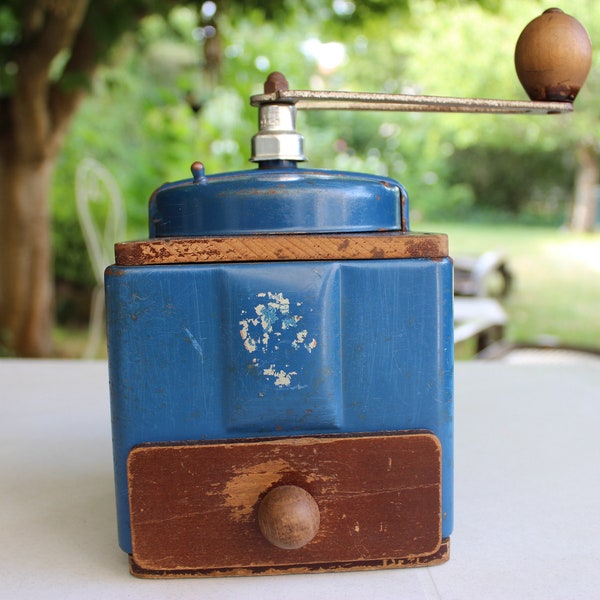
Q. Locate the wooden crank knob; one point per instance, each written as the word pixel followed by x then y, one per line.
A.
pixel 553 57
pixel 288 517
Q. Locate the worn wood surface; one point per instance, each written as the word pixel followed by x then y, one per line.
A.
pixel 194 507
pixel 255 248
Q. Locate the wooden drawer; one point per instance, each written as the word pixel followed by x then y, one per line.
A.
pixel 373 501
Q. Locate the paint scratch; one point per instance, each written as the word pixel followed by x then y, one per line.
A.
pixel 195 343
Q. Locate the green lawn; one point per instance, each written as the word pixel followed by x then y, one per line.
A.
pixel 556 288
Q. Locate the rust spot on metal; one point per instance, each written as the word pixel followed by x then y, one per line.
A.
pixel 276 82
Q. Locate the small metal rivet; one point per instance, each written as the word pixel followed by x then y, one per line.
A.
pixel 197 169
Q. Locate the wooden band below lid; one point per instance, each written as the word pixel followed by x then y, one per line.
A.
pixel 292 247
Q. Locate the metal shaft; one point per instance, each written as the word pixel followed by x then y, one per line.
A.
pixel 331 100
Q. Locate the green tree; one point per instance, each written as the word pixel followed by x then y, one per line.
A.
pixel 50 51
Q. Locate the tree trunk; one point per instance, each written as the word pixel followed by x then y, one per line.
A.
pixel 26 288
pixel 34 117
pixel 586 189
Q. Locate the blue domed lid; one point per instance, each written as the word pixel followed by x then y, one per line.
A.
pixel 285 199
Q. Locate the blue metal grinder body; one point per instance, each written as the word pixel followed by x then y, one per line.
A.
pixel 210 344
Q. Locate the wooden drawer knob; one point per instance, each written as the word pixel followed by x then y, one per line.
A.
pixel 288 517
pixel 553 56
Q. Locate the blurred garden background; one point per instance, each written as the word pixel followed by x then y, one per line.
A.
pixel 173 86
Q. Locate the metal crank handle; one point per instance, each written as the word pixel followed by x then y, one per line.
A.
pixel 331 100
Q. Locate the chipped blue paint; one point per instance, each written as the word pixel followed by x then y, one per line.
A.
pixel 268 331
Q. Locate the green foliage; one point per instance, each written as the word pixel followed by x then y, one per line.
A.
pixel 9 36
pixel 156 106
pixel 514 181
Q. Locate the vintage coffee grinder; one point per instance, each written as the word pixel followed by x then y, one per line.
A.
pixel 281 363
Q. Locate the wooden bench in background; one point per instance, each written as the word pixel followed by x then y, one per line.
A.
pixel 485 275
pixel 481 318
pixel 478 283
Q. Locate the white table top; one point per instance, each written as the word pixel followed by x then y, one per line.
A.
pixel 527 494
